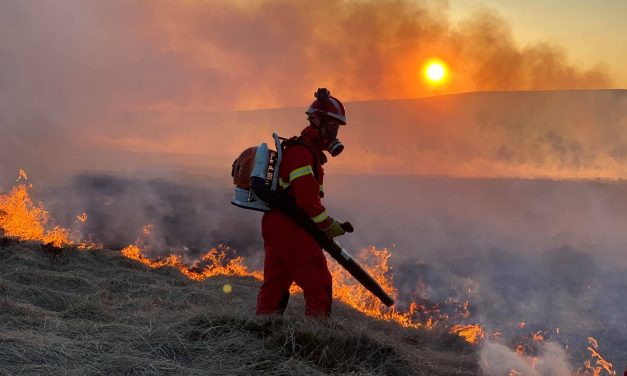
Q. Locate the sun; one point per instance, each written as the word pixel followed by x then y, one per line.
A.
pixel 435 71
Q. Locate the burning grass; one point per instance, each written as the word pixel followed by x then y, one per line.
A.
pixel 98 312
pixel 22 220
pixel 219 261
pixel 25 220
pixel 345 288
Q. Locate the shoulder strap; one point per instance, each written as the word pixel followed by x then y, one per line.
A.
pixel 318 158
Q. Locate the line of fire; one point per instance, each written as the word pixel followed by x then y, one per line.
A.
pixel 23 219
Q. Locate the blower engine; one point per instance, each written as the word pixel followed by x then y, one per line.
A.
pixel 260 162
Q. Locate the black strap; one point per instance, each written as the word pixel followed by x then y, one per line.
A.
pixel 318 157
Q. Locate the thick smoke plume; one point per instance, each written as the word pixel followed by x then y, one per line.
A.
pixel 75 74
pixel 235 55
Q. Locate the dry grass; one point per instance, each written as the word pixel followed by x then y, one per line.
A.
pixel 96 312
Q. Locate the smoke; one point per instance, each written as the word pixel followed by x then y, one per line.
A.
pixel 186 215
pixel 367 49
pixel 498 360
pixel 122 87
pixel 112 85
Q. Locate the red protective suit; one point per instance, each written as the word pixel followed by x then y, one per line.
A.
pixel 291 254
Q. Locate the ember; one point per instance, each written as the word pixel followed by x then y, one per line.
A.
pixel 82 217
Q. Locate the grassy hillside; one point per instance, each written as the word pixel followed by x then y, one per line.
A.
pixel 97 312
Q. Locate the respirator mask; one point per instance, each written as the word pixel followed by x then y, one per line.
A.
pixel 327 128
pixel 329 138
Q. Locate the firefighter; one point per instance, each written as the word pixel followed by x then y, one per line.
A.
pixel 291 254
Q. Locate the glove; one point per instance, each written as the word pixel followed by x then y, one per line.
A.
pixel 334 230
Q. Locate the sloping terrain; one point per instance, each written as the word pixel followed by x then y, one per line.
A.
pixel 97 312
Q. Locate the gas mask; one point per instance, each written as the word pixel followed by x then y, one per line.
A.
pixel 328 128
pixel 331 142
pixel 335 148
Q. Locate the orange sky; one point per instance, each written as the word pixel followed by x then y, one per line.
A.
pixel 78 67
pixel 593 33
pixel 272 52
pixel 222 55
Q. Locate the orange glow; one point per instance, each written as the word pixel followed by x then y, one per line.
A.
pixel 351 292
pixel 471 333
pixel 215 263
pixel 211 264
pixel 22 175
pixel 82 217
pixel 22 219
pixel 345 288
pixel 600 364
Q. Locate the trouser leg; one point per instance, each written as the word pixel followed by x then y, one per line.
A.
pixel 274 292
pixel 314 278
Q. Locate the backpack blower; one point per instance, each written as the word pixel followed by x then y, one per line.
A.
pixel 255 175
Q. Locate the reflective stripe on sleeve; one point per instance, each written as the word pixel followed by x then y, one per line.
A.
pixel 302 171
pixel 297 173
pixel 320 217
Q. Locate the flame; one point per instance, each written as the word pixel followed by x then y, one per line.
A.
pixel 600 364
pixel 520 350
pixel 22 175
pixel 376 263
pixel 215 260
pixel 351 292
pixel 213 263
pixel 538 336
pixel 471 333
pixel 22 219
pixel 345 288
